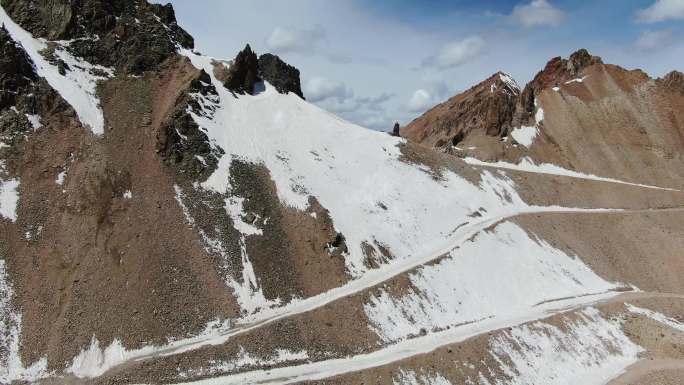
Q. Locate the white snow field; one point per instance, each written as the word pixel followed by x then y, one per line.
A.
pixel 353 172
pixel 502 273
pixel 588 350
pixel 77 87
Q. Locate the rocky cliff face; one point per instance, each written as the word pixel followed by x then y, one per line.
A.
pixel 284 77
pixel 16 71
pixel 132 36
pixel 246 71
pixel 484 110
pixel 556 72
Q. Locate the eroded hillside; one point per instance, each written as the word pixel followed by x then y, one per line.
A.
pixel 168 217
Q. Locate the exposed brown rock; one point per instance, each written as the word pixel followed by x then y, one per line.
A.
pixel 674 80
pixel 557 71
pixel 484 110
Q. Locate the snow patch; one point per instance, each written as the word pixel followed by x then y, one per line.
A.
pixel 247 290
pixel 35 121
pixel 577 80
pixel 244 360
pixel 60 178
pixel 659 317
pixel 409 377
pixel 11 366
pixel 236 213
pixel 510 82
pixel 589 350
pixel 527 165
pixel 94 361
pixel 77 87
pixel 528 271
pixel 525 135
pixel 9 197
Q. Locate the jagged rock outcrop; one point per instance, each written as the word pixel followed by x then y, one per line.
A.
pixel 556 72
pixel 284 77
pixel 131 36
pixel 485 109
pixel 243 73
pixel 396 129
pixel 181 142
pixel 674 80
pixel 16 70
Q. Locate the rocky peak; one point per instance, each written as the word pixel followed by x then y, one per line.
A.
pixel 556 71
pixel 581 59
pixel 674 80
pixel 284 77
pixel 244 72
pixel 486 108
pixel 132 36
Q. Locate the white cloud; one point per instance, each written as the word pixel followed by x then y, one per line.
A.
pixel 456 53
pixel 303 41
pixel 662 10
pixel 654 40
pixel 420 101
pixel 318 89
pixel 537 13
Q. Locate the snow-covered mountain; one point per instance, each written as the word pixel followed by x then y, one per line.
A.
pixel 168 217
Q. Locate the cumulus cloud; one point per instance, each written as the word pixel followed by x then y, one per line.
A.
pixel 456 53
pixel 318 89
pixel 303 41
pixel 419 101
pixel 654 40
pixel 432 93
pixel 337 97
pixel 662 10
pixel 537 13
pixel 375 103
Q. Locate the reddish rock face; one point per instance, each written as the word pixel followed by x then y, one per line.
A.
pixel 674 80
pixel 485 109
pixel 557 71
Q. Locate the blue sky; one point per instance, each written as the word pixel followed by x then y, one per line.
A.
pixel 374 62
